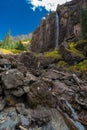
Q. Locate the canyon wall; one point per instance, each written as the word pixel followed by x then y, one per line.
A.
pixel 44 37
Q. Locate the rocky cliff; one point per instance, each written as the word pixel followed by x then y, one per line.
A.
pixel 44 37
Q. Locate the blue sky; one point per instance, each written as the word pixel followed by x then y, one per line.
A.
pixel 23 16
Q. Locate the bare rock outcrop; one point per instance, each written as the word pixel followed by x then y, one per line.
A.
pixel 44 37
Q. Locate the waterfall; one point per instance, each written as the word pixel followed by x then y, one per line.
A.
pixel 74 114
pixel 57 30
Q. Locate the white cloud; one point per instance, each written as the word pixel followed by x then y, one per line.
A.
pixel 47 4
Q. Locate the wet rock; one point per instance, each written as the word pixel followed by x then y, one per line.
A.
pixel 8 119
pixel 83 117
pixel 8 128
pixel 57 122
pixel 41 115
pixel 23 120
pixel 12 79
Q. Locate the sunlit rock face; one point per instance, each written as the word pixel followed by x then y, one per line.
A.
pixel 44 37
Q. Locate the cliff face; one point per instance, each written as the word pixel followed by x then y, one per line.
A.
pixel 44 37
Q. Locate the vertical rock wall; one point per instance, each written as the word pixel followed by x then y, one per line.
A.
pixel 44 38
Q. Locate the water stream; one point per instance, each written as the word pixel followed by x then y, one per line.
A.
pixel 78 125
pixel 57 30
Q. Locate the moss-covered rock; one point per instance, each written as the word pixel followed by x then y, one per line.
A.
pixel 62 63
pixel 70 54
pixel 53 54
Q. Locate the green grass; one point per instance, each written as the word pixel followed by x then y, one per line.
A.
pixel 73 50
pixel 53 54
pixel 12 51
pixel 61 63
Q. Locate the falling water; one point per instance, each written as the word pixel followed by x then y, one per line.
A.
pixel 76 123
pixel 57 30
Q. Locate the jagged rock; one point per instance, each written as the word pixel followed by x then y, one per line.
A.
pixel 12 79
pixel 29 79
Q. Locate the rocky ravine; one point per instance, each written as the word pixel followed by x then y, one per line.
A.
pixel 36 97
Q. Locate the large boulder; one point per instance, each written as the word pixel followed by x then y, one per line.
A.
pixel 40 93
pixel 12 79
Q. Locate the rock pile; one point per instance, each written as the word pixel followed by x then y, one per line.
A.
pixel 32 101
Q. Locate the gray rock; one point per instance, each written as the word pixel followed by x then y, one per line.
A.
pixel 0 89
pixel 57 122
pixel 29 79
pixel 5 63
pixel 2 104
pixel 41 115
pixel 12 79
pixel 8 119
pixel 26 89
pixel 23 120
pixel 17 92
pixel 20 107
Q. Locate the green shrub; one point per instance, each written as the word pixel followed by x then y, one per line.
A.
pixel 9 44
